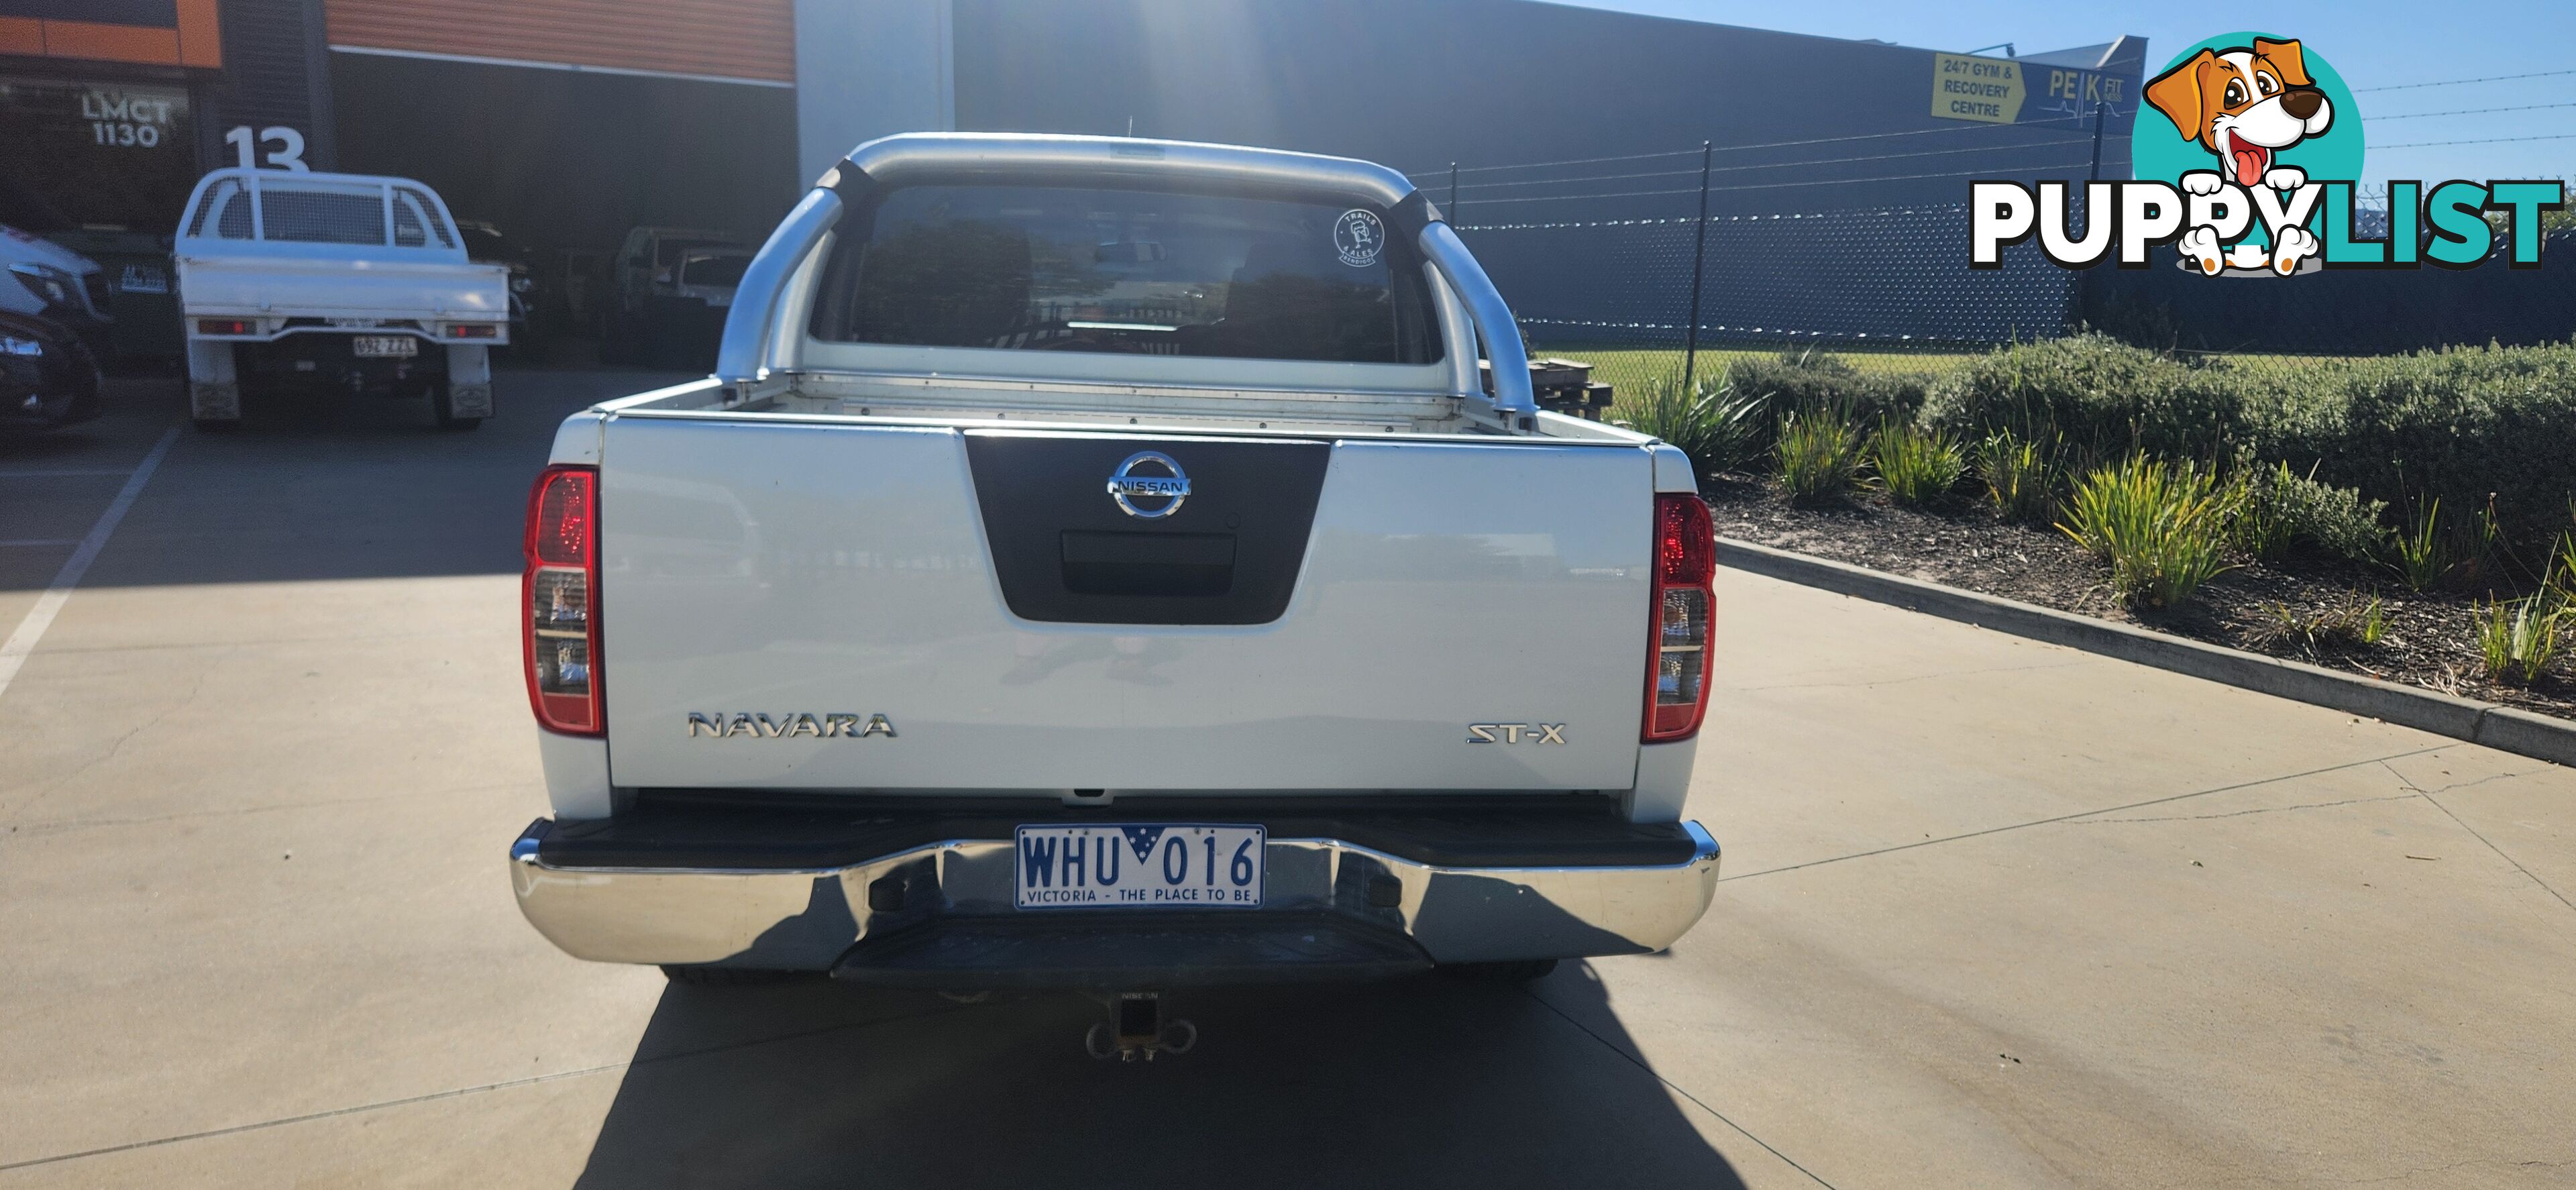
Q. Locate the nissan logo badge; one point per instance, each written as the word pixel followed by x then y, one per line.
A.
pixel 1125 484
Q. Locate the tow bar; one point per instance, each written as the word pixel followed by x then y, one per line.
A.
pixel 1136 1028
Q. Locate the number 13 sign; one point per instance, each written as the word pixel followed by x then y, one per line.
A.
pixel 288 155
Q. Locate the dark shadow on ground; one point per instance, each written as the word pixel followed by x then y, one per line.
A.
pixel 305 489
pixel 1432 1081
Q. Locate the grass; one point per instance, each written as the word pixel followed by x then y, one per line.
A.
pixel 1819 455
pixel 1718 428
pixel 2421 553
pixel 2357 623
pixel 2162 528
pixel 2019 482
pixel 1916 466
pixel 2518 638
pixel 2562 569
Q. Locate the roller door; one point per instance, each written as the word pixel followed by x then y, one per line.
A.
pixel 744 40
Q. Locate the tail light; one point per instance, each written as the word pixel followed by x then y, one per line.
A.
pixel 474 330
pixel 560 597
pixel 223 326
pixel 1685 565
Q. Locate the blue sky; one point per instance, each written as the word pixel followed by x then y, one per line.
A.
pixel 2375 43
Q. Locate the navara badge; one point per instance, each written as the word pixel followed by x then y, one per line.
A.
pixel 838 725
pixel 1126 483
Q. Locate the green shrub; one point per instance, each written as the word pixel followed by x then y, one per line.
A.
pixel 2277 508
pixel 1918 466
pixel 1809 382
pixel 2093 397
pixel 2256 525
pixel 2019 481
pixel 1719 426
pixel 1819 453
pixel 2519 638
pixel 2162 528
pixel 2459 424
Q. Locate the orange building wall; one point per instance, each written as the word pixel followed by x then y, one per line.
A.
pixel 745 39
pixel 196 40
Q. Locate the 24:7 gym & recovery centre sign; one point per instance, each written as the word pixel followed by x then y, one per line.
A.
pixel 1995 90
pixel 1988 90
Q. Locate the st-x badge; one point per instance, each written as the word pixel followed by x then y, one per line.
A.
pixel 1149 475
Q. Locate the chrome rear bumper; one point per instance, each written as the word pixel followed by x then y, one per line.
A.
pixel 860 915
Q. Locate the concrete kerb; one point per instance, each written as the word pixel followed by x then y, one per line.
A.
pixel 2507 728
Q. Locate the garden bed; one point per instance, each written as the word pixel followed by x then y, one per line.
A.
pixel 2429 639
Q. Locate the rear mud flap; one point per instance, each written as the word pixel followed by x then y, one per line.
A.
pixel 470 400
pixel 214 391
pixel 469 381
pixel 218 402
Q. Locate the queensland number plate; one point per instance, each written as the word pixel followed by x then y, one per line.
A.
pixel 1153 866
pixel 378 346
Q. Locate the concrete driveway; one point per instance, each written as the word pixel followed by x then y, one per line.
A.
pixel 1995 913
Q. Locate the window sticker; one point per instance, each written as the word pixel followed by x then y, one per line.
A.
pixel 1359 237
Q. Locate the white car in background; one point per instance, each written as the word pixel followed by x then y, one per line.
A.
pixel 674 286
pixel 334 283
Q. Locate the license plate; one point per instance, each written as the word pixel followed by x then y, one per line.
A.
pixel 1141 866
pixel 379 346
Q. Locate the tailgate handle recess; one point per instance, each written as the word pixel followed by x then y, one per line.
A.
pixel 1170 564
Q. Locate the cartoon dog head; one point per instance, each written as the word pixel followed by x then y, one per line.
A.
pixel 2245 105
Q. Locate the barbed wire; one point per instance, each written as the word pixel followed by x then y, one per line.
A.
pixel 1443 170
pixel 1692 172
pixel 1687 220
pixel 2493 78
pixel 2493 140
pixel 2019 169
pixel 2470 111
pixel 1581 197
pixel 1721 169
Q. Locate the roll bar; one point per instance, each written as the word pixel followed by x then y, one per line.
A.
pixel 742 355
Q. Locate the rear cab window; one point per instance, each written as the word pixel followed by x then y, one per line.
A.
pixel 1111 271
pixel 723 269
pixel 290 210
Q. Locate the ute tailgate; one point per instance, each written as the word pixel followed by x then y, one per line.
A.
pixel 1318 615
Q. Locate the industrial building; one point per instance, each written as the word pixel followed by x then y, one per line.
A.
pixel 566 122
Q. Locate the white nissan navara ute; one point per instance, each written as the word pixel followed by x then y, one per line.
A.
pixel 1097 564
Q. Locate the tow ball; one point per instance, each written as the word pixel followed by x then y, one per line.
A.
pixel 1137 1028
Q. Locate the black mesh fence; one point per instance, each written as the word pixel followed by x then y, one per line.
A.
pixel 1590 281
pixel 1883 279
pixel 2339 311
